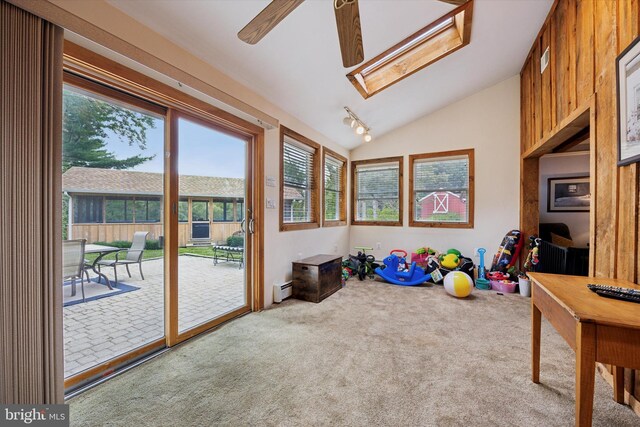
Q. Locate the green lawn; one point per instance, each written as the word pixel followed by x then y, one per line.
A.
pixel 157 253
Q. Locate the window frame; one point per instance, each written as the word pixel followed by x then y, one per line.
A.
pixel 469 152
pixel 342 195
pixel 354 195
pixel 314 220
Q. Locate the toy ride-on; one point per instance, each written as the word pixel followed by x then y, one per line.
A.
pixel 394 271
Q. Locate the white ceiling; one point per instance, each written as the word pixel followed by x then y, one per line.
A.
pixel 298 67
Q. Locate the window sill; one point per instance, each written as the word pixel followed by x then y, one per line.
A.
pixel 334 223
pixel 378 223
pixel 298 226
pixel 441 224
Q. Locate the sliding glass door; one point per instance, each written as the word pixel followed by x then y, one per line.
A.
pixel 156 226
pixel 212 189
pixel 113 193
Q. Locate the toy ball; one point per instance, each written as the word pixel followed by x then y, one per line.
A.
pixel 458 284
pixel 450 261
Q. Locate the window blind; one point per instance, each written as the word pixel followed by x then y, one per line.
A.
pixel 333 184
pixel 441 189
pixel 298 182
pixel 377 192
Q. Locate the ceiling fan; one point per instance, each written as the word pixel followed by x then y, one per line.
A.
pixel 347 22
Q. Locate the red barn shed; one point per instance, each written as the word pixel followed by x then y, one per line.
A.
pixel 442 202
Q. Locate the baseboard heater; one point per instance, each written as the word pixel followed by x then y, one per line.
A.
pixel 280 292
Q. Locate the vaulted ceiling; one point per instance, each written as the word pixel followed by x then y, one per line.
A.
pixel 298 66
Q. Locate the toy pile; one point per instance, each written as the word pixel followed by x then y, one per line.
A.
pixel 439 265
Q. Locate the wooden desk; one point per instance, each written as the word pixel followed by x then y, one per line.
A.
pixel 598 329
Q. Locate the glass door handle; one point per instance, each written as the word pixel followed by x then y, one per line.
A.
pixel 251 230
pixel 242 225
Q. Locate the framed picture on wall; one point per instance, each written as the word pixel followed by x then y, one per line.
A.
pixel 628 93
pixel 569 194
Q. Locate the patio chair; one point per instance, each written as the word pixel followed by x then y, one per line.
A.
pixel 133 255
pixel 73 263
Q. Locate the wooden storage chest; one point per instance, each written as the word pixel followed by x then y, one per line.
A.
pixel 317 277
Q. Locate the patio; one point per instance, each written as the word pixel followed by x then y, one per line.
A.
pixel 99 330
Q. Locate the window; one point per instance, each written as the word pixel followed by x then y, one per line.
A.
pixel 199 210
pixel 430 44
pixel 222 211
pixel 118 209
pixel 87 209
pixel 377 192
pixel 147 209
pixel 441 188
pixel 299 173
pixel 335 183
pixel 183 210
pixel 239 211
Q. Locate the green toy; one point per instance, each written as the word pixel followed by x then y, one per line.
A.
pixel 450 261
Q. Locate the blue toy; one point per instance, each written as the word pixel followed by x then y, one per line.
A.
pixel 390 273
pixel 481 281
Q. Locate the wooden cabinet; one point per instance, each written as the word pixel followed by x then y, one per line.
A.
pixel 317 277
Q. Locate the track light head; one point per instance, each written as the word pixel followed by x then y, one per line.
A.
pixel 360 129
pixel 367 137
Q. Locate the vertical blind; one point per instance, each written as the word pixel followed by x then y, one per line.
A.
pixel 333 184
pixel 377 192
pixel 298 182
pixel 31 342
pixel 441 189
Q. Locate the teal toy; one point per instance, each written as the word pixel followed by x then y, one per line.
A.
pixel 481 281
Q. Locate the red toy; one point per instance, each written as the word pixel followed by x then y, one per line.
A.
pixel 508 252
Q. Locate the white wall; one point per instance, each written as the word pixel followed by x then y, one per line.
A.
pixel 489 122
pixel 561 166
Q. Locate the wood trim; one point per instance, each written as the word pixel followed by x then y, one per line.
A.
pixel 570 126
pixel 471 156
pixel 343 188
pixel 354 165
pixel 86 63
pixel 258 212
pixel 105 90
pixel 435 48
pixel 315 197
pixel 171 183
pixel 108 367
pixel 208 326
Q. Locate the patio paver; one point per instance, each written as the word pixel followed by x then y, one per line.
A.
pixel 97 331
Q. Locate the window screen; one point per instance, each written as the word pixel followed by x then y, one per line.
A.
pixel 147 209
pixel 333 189
pixel 441 189
pixel 183 211
pixel 298 182
pixel 87 209
pixel 118 209
pixel 199 210
pixel 377 192
pixel 222 211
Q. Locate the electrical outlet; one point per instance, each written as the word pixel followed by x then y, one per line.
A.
pixel 378 245
pixel 271 181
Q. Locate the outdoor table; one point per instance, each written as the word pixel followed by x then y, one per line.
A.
pixel 101 250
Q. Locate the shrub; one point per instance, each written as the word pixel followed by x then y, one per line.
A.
pixel 235 241
pixel 152 245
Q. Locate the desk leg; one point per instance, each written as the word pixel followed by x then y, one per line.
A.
pixel 585 372
pixel 618 384
pixel 535 343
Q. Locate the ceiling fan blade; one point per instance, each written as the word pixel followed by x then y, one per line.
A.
pixel 455 2
pixel 349 32
pixel 266 20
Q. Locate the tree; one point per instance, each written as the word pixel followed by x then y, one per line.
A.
pixel 88 122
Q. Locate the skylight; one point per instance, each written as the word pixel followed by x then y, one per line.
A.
pixel 431 43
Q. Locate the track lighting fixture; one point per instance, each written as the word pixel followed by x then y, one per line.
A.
pixel 354 121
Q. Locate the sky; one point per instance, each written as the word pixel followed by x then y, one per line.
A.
pixel 203 151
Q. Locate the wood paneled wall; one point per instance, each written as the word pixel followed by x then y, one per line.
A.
pixel 584 38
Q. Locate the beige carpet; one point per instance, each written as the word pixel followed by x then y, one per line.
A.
pixel 373 354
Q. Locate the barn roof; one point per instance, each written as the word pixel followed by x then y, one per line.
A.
pixel 440 192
